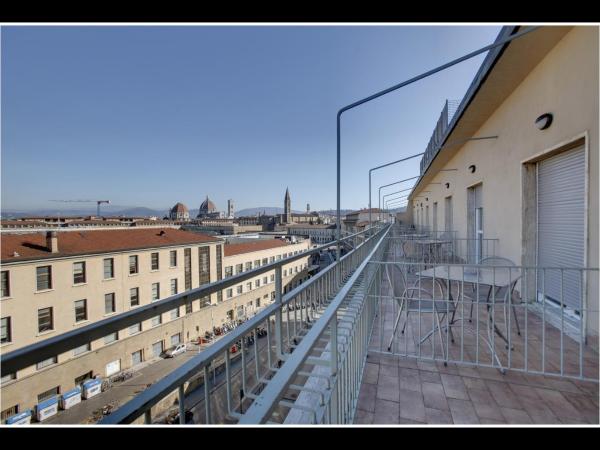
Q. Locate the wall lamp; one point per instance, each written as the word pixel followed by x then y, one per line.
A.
pixel 544 121
pixel 472 168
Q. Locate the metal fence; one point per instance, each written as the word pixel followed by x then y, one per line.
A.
pixel 501 316
pixel 439 132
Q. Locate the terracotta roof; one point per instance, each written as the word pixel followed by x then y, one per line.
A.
pixel 179 208
pixel 247 247
pixel 33 245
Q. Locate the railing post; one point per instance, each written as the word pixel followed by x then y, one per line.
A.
pixel 181 405
pixel 334 370
pixel 278 317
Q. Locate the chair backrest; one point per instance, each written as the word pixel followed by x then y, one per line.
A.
pixel 397 277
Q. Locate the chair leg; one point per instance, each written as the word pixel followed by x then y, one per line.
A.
pixel 516 320
pixel 396 327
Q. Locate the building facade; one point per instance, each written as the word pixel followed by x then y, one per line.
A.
pixel 93 275
pixel 534 184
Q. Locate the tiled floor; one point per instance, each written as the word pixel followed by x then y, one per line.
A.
pixel 401 390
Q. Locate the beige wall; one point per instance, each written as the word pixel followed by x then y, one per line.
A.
pixel 23 304
pixel 565 83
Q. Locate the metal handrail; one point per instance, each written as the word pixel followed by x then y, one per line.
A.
pixel 262 407
pixel 32 354
pixel 155 393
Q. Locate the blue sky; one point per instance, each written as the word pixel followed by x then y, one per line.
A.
pixel 149 116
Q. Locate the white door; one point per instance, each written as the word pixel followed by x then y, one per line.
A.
pixel 561 226
pixel 448 214
pixel 113 367
pixel 157 348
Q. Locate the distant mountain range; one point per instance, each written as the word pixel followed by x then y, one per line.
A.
pixel 140 211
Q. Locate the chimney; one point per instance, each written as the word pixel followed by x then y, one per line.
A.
pixel 52 241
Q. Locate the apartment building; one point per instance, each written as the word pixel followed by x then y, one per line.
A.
pixel 55 282
pixel 530 178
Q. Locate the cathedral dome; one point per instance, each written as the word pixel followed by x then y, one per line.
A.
pixel 179 211
pixel 207 206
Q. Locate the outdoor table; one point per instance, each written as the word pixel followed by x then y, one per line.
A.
pixel 434 247
pixel 488 276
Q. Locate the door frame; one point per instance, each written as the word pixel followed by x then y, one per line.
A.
pixel 529 211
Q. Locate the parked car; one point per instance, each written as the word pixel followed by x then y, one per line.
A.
pixel 174 351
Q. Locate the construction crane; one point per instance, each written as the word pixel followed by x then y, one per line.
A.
pixel 98 203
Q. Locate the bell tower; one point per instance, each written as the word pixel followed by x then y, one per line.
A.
pixel 287 207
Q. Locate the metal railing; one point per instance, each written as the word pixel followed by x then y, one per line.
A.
pixel 29 355
pixel 527 319
pixel 439 132
pixel 255 369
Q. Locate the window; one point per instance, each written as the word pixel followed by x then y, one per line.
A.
pixel 83 378
pixel 109 268
pixel 45 320
pixel 48 394
pixel 5 333
pixel 109 303
pixel 257 263
pixel 249 286
pixel 228 271
pixel 46 363
pixel 80 310
pixel 285 255
pixel 239 268
pixel 205 301
pixel 133 264
pixel 137 357
pixel 154 261
pixel 272 278
pixel 272 259
pixel 173 286
pixel 248 266
pixel 78 272
pixel 156 320
pixel 81 349
pixel 229 293
pixel 9 412
pixel 258 302
pixel 112 337
pixel 187 262
pixel 257 283
pixel 189 307
pixel 240 289
pixel 265 280
pixel 278 257
pixel 155 291
pixel 44 277
pixel 174 313
pixel 134 297
pixel 285 272
pixel 173 258
pixel 219 251
pixel 8 377
pixel 135 328
pixel 265 261
pixel 204 264
pixel 176 339
pixel 5 284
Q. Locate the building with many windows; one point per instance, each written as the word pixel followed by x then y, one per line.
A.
pixel 55 282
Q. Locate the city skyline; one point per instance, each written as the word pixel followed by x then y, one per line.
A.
pixel 252 111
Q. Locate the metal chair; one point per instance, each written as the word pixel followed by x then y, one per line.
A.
pixel 502 293
pixel 425 302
